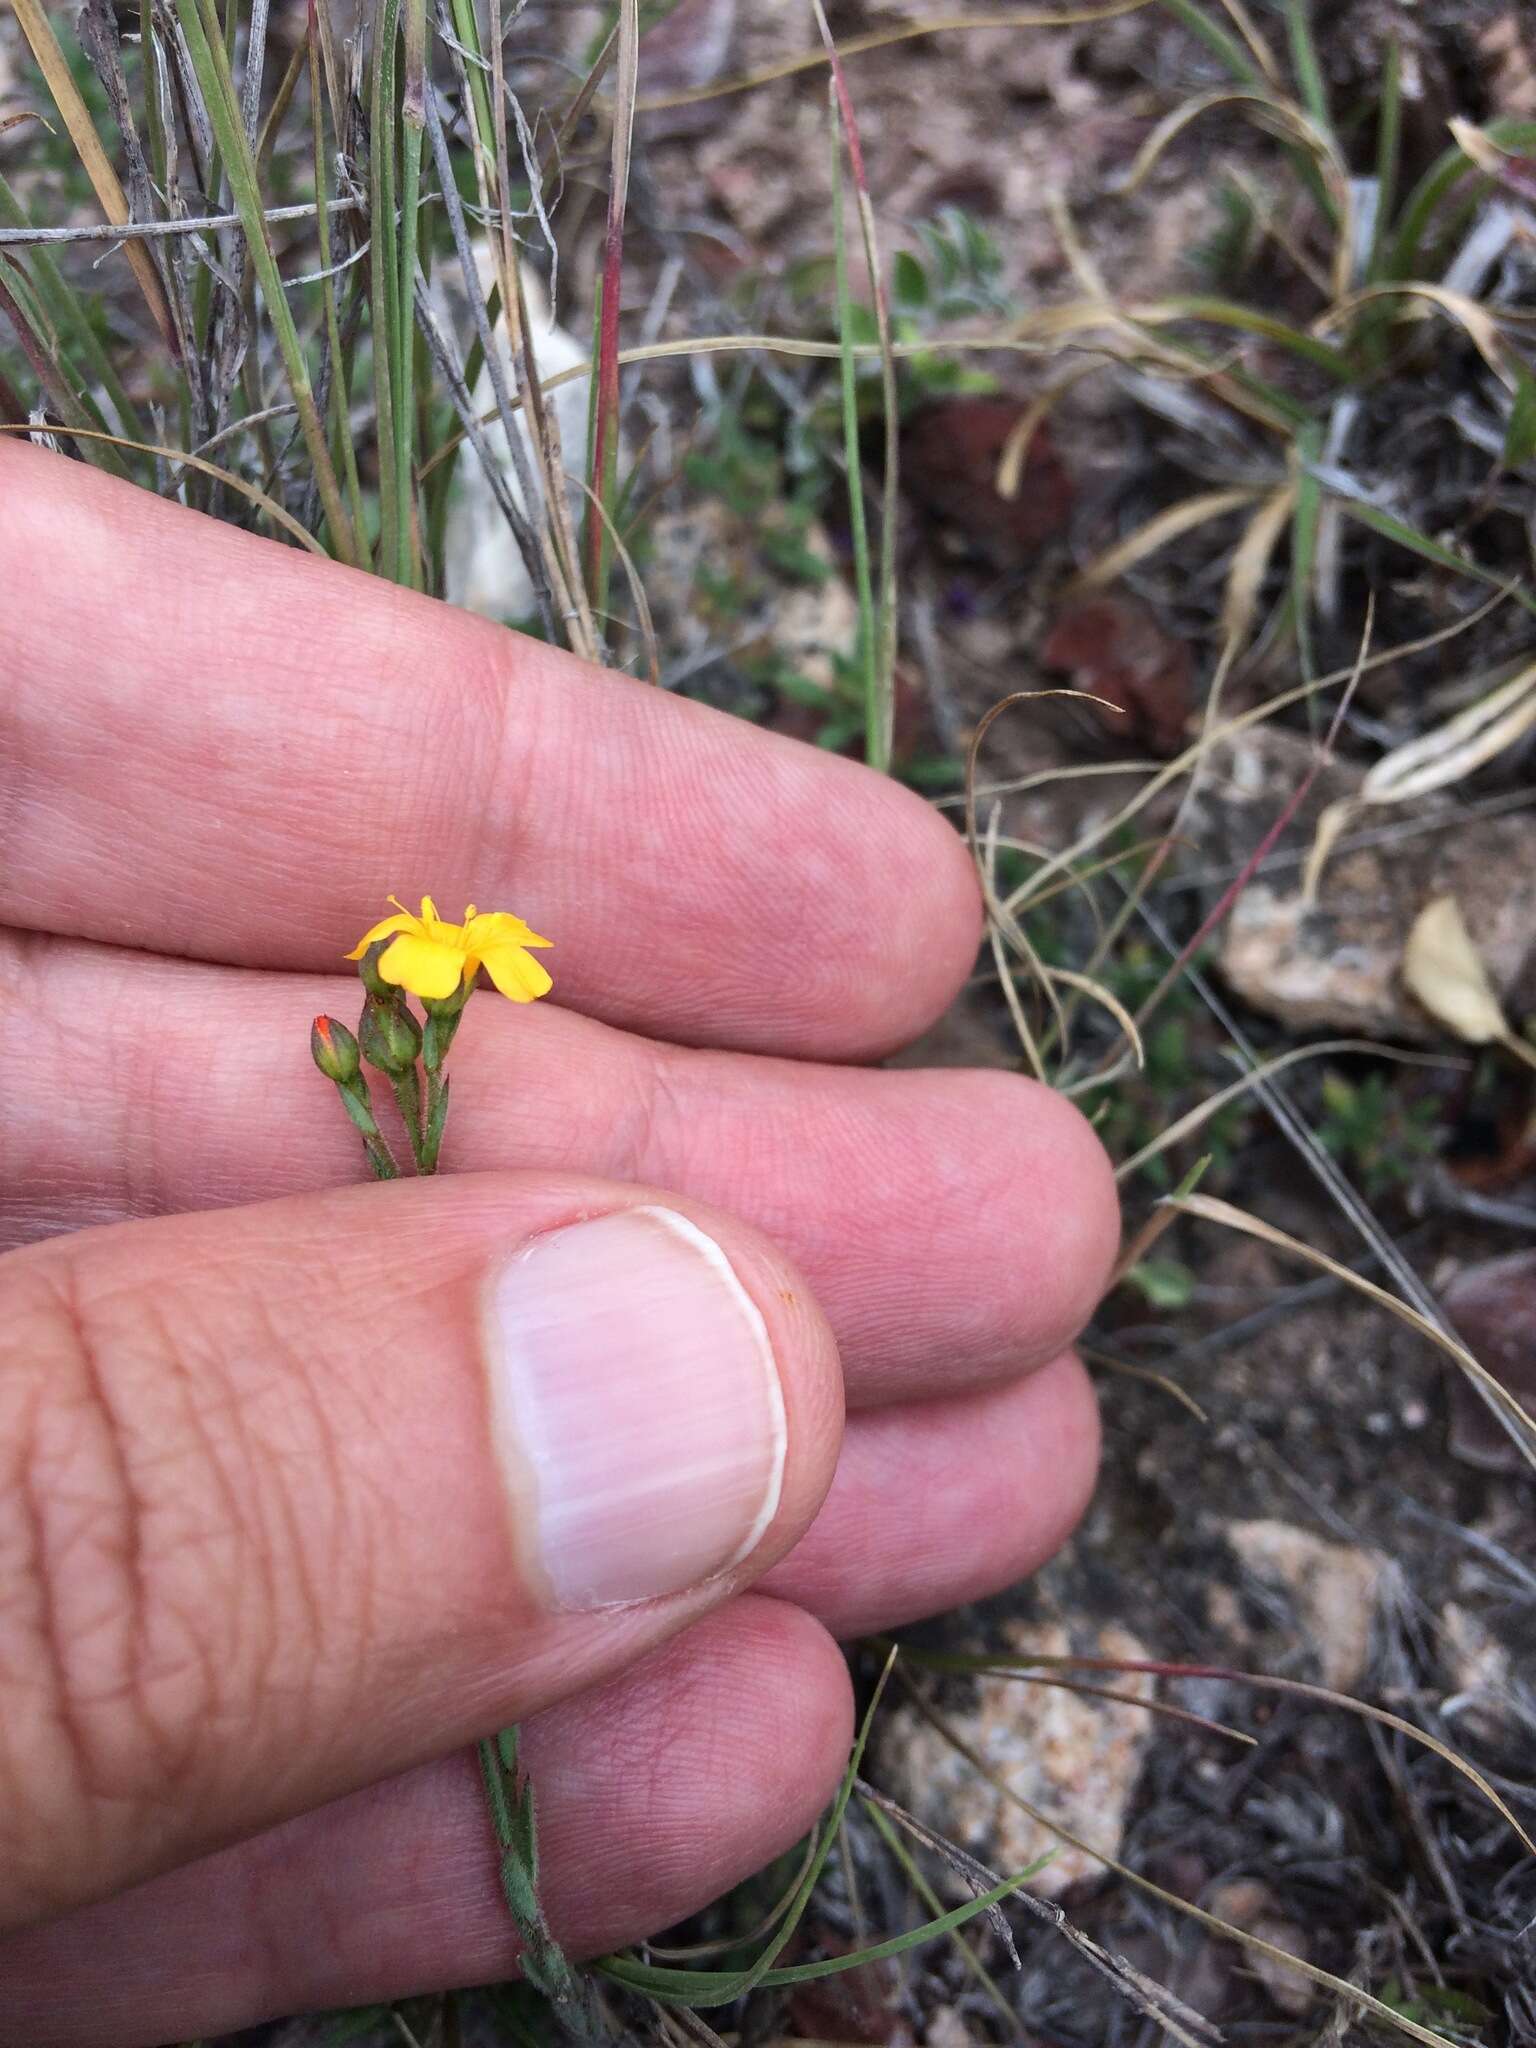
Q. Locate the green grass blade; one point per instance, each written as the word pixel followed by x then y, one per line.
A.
pixel 720 1987
pixel 341 423
pixel 723 1987
pixel 1309 74
pixel 384 277
pixel 1406 257
pixel 1520 434
pixel 207 53
pixel 1394 529
pixel 1221 312
pixel 42 358
pixel 1389 146
pixel 71 319
pixel 1304 527
pixel 867 659
pixel 1216 38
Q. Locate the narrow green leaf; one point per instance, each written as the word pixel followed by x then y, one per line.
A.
pixel 1389 138
pixel 721 1987
pixel 1520 434
pixel 867 654
pixel 1304 525
pixel 1221 312
pixel 1394 529
pixel 1215 37
pixel 1309 75
pixel 1406 257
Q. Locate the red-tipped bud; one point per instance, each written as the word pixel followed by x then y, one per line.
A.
pixel 334 1050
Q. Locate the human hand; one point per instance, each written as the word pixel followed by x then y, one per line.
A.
pixel 269 1554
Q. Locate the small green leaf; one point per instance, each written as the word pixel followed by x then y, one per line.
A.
pixel 1163 1283
pixel 910 280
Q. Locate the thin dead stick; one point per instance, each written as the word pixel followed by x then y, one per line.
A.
pixel 154 230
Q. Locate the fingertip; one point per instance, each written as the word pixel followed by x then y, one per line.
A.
pixel 1047 1190
pixel 1067 1433
pixel 931 926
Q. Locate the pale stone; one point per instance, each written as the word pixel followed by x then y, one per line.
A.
pixel 1249 1904
pixel 1335 963
pixel 1332 1587
pixel 1073 1757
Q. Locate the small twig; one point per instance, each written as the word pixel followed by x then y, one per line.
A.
pixel 146 230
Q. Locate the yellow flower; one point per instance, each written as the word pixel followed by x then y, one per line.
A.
pixel 430 957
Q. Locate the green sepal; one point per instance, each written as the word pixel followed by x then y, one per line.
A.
pixel 356 1102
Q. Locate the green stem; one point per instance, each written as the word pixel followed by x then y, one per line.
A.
pixel 407 1090
pixel 381 1161
pixel 436 1121
pixel 358 1104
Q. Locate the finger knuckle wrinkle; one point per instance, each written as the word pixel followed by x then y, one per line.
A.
pixel 114 1672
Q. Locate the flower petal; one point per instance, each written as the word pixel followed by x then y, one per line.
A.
pixel 422 966
pixel 499 928
pixel 403 923
pixel 516 974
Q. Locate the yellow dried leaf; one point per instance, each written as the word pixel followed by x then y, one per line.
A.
pixel 1444 970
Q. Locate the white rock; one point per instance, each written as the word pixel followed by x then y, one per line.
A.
pixel 1332 1587
pixel 1074 1758
pixel 484 567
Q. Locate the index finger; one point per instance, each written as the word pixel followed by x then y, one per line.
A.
pixel 216 747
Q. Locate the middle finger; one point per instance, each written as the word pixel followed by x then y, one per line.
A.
pixel 957 1226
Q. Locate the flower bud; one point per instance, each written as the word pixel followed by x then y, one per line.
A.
pixel 369 975
pixel 390 1037
pixel 334 1050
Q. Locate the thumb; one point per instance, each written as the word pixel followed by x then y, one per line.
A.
pixel 294 1497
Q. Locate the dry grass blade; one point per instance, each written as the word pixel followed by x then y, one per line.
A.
pixel 1519 1425
pixel 1280 117
pixel 1301 1688
pixel 1123 1366
pixel 179 457
pixel 1085 985
pixel 1201 1114
pixel 51 61
pixel 1453 750
pixel 1002 924
pixel 1433 761
pixel 1015 452
pixel 1160 775
pixel 605 411
pixel 1167 526
pixel 882 38
pixel 638 598
pixel 1479 324
pixel 1339 1986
